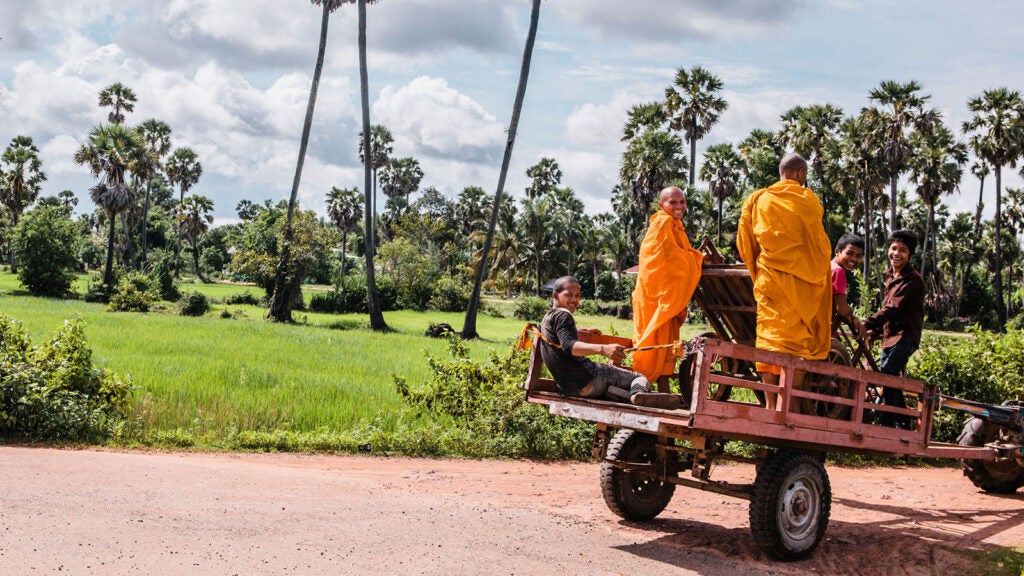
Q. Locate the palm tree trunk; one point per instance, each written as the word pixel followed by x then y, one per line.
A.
pixel 893 217
pixel 469 324
pixel 925 273
pixel 341 269
pixel 10 241
pixel 280 308
pixel 719 241
pixel 372 297
pixel 593 267
pixel 177 249
pixel 129 243
pixel 868 237
pixel 195 262
pixel 145 220
pixel 977 215
pixel 1000 302
pixel 693 161
pixel 108 271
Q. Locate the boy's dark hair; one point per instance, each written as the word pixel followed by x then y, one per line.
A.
pixel 847 239
pixel 562 283
pixel 906 236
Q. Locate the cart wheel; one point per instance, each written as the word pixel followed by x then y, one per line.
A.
pixel 726 365
pixel 822 384
pixel 634 495
pixel 790 504
pixel 994 476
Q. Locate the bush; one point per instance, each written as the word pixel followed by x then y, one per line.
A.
pixel 326 302
pixel 984 367
pixel 46 244
pixel 242 298
pixel 52 391
pixel 450 295
pixel 606 287
pixel 135 293
pixel 162 275
pixel 485 399
pixel 530 308
pixel 193 304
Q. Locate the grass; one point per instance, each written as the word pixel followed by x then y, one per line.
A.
pixel 209 378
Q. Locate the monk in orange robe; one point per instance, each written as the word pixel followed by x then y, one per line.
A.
pixel 669 273
pixel 783 243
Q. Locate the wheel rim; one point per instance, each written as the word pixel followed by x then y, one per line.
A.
pixel 644 486
pixel 798 511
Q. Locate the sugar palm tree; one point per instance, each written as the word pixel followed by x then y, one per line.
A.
pixel 469 324
pixel 183 170
pixel 372 297
pixel 111 152
pixel 380 152
pixel 644 117
pixel 936 166
pixel 194 219
pixel 900 109
pixel 120 99
pixel 280 310
pixel 544 177
pixel 811 133
pixel 650 162
pixel 156 136
pixel 693 107
pixel 761 153
pixel 997 137
pixel 344 211
pixel 722 169
pixel 21 178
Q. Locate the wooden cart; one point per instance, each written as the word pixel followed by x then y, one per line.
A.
pixel 647 452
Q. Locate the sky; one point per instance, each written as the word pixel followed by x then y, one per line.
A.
pixel 232 79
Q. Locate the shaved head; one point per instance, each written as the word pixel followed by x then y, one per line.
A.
pixel 671 191
pixel 793 167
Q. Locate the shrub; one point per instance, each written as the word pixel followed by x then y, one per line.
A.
pixel 134 293
pixel 242 298
pixel 530 308
pixel 984 367
pixel 607 287
pixel 46 244
pixel 52 391
pixel 326 302
pixel 163 278
pixel 193 304
pixel 485 399
pixel 450 295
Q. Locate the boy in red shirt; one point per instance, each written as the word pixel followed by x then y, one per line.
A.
pixel 849 253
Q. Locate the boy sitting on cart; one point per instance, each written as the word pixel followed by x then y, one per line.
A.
pixel 574 373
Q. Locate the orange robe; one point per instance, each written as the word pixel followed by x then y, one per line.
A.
pixel 784 246
pixel 669 273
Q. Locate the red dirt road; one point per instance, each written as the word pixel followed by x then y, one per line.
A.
pixel 113 513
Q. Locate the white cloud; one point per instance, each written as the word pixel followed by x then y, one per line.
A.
pixel 428 117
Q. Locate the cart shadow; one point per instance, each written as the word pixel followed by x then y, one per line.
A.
pixel 927 538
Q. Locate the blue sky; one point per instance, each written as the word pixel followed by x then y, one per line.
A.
pixel 231 79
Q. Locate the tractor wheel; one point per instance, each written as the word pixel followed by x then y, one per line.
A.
pixel 718 392
pixel 634 495
pixel 790 504
pixel 1003 476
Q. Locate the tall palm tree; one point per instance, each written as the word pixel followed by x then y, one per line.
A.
pixel 722 168
pixel 156 136
pixel 469 324
pixel 280 310
pixel 194 218
pixel 644 117
pixel 344 211
pixel 936 166
pixel 980 170
pixel 650 163
pixel 567 214
pixel 401 178
pixel 372 297
pixel 536 228
pixel 997 130
pixel 761 153
pixel 900 109
pixel 22 178
pixel 183 170
pixel 120 99
pixel 811 133
pixel 111 152
pixel 695 107
pixel 544 176
pixel 380 152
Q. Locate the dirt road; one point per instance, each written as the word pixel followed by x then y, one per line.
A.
pixel 113 513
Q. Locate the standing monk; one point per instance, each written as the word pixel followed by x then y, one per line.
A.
pixel 784 246
pixel 669 272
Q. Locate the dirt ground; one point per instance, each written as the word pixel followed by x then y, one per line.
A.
pixel 113 513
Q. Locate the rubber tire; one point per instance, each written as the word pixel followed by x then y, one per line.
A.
pixel 994 477
pixel 785 479
pixel 630 495
pixel 720 393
